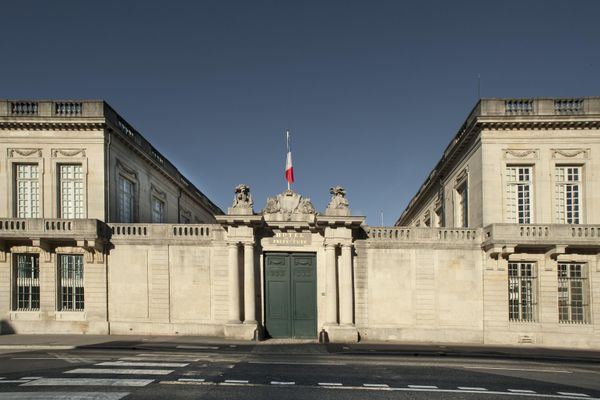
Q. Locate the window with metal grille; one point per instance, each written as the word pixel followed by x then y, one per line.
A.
pixel 26 282
pixel 519 194
pixel 71 282
pixel 522 301
pixel 573 301
pixel 568 194
pixel 158 211
pixel 27 191
pixel 71 191
pixel 126 193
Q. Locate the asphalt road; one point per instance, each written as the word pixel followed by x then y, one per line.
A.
pixel 290 371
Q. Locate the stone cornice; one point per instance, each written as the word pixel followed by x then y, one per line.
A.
pixel 91 125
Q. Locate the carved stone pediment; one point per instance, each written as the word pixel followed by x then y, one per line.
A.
pixel 288 205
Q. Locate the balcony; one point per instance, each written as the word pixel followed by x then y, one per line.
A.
pixel 39 231
pixel 542 237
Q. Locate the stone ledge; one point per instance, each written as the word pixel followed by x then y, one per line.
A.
pixel 342 334
pixel 245 331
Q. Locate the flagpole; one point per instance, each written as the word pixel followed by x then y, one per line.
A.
pixel 287 143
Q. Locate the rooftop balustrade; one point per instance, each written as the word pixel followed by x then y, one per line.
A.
pixel 416 234
pixel 166 232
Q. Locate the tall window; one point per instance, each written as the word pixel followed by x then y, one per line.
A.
pixel 71 191
pixel 71 282
pixel 126 197
pixel 522 300
pixel 518 194
pixel 568 194
pixel 158 211
pixel 573 301
pixel 26 282
pixel 462 206
pixel 27 190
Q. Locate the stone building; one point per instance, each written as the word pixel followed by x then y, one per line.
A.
pixel 500 245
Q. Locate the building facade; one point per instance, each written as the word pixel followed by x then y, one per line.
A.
pixel 501 244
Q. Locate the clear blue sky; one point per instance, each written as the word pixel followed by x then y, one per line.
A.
pixel 372 91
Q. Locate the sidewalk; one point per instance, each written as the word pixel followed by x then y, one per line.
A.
pixel 387 349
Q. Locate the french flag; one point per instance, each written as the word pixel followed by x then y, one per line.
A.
pixel 289 169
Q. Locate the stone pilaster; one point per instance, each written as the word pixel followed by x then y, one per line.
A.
pixel 331 284
pixel 346 298
pixel 249 291
pixel 234 284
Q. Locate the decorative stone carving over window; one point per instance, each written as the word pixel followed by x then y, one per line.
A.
pixel 338 205
pixel 12 153
pixel 68 153
pixel 242 201
pixel 512 154
pixel 570 153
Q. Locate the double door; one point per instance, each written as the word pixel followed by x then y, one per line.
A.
pixel 291 295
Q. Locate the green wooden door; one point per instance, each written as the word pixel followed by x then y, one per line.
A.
pixel 290 295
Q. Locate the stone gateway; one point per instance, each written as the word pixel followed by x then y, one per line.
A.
pixel 101 234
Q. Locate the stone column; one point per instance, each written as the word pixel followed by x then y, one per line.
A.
pixel 249 292
pixel 346 285
pixel 234 285
pixel 331 287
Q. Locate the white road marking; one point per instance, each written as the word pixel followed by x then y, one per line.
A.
pixel 557 371
pixel 1 377
pixel 422 387
pixel 295 363
pixel 573 394
pixel 235 381
pixel 521 390
pixel 141 364
pixel 376 385
pixel 198 347
pixel 62 396
pixel 13 381
pixel 191 380
pixel 161 359
pixel 490 392
pixel 330 384
pixel 88 382
pixel 471 388
pixel 120 371
pixel 30 378
pixel 282 383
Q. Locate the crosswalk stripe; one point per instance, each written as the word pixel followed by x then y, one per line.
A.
pixel 62 395
pixel 88 382
pixel 120 371
pixel 171 356
pixel 141 364
pixel 189 347
pixel 162 359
